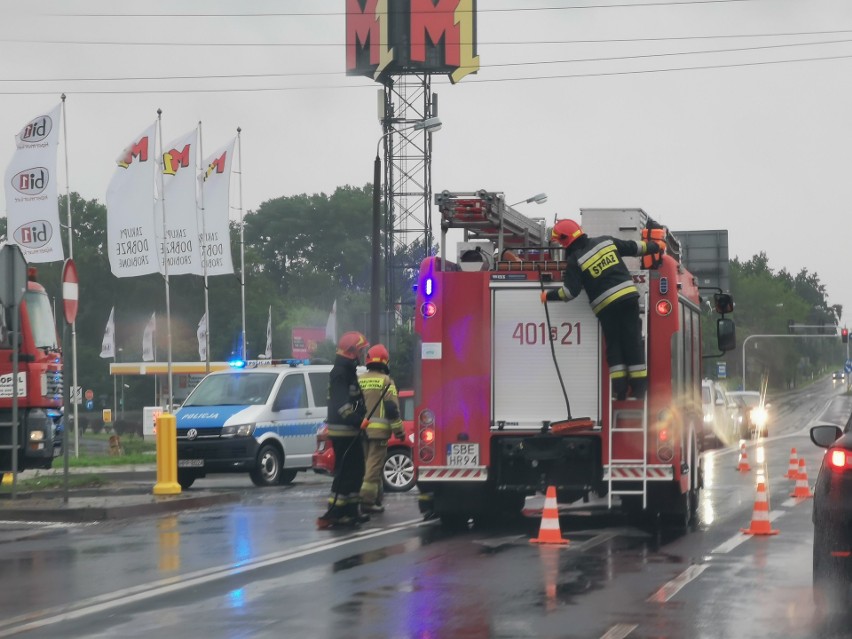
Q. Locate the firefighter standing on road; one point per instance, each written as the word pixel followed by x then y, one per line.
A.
pixel 346 411
pixel 596 265
pixel 385 419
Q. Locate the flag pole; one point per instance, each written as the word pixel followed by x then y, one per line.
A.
pixel 165 266
pixel 242 242
pixel 71 256
pixel 204 257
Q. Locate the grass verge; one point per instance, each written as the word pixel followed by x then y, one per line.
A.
pixel 56 482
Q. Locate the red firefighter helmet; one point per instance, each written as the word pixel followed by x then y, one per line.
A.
pixel 352 344
pixel 378 354
pixel 565 232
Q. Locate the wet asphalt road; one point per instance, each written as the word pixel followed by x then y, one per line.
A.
pixel 260 569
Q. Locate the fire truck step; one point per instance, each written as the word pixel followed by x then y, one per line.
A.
pixel 617 429
pixel 627 492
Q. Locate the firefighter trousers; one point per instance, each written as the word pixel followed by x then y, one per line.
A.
pixel 376 451
pixel 625 353
pixel 348 474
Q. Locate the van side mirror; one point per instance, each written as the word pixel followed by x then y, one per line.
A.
pixel 726 336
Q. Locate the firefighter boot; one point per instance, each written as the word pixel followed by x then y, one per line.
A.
pixel 638 387
pixel 619 388
pixel 336 515
pixel 353 511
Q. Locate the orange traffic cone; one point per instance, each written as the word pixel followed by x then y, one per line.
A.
pixel 793 469
pixel 802 490
pixel 760 517
pixel 743 466
pixel 549 532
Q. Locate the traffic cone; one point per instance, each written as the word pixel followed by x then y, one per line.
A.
pixel 760 516
pixel 802 490
pixel 793 469
pixel 549 532
pixel 743 466
pixel 7 479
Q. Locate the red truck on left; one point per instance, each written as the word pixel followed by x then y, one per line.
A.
pixel 39 427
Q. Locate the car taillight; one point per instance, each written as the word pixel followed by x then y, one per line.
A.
pixel 665 452
pixel 838 459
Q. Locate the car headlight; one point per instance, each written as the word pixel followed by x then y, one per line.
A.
pixel 759 417
pixel 36 435
pixel 708 419
pixel 238 430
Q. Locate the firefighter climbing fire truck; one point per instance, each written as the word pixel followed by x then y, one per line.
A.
pixel 493 396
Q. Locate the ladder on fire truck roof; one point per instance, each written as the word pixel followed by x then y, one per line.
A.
pixel 632 470
pixel 484 215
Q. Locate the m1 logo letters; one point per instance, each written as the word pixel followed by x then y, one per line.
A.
pixel 384 37
pixel 36 130
pixel 33 235
pixel 31 181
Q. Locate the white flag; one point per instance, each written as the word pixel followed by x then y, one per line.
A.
pixel 201 334
pixel 108 346
pixel 148 352
pixel 31 177
pixel 268 351
pixel 131 241
pixel 179 170
pixel 331 324
pixel 214 227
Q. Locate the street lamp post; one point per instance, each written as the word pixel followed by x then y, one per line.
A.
pixel 540 198
pixel 429 125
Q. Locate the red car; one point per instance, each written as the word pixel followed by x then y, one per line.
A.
pixel 398 472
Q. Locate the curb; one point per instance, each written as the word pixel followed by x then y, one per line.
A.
pixel 82 512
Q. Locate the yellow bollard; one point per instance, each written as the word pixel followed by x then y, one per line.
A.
pixel 7 479
pixel 167 456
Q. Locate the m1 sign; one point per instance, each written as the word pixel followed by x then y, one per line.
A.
pixel 387 37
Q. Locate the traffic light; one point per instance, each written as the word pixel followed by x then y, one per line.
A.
pixel 844 335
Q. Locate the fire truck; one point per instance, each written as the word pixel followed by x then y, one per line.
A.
pixel 40 386
pixel 494 396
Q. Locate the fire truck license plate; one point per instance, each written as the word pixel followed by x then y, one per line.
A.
pixel 462 454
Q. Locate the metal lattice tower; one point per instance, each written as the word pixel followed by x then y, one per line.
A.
pixel 407 189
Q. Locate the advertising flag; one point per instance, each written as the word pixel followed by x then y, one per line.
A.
pixel 148 352
pixel 215 232
pixel 201 334
pixel 31 194
pixel 268 351
pixel 331 323
pixel 179 169
pixel 108 346
pixel 131 241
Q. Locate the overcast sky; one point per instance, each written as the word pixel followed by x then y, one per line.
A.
pixel 752 132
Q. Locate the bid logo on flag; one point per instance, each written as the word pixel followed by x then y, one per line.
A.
pixel 36 130
pixel 34 234
pixel 31 181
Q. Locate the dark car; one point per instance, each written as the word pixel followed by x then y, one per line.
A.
pixel 398 471
pixel 832 516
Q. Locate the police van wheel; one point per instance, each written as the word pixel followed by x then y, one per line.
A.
pixel 268 470
pixel 287 476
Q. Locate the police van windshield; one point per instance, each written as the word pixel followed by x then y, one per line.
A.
pixel 233 389
pixel 41 319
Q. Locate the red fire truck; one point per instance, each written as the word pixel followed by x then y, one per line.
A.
pixel 39 382
pixel 492 411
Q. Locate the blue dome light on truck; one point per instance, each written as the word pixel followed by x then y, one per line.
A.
pixel 237 363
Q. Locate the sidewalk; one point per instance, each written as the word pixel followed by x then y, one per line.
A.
pixel 129 494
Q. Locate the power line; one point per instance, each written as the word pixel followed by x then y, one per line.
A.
pixel 431 12
pixel 470 81
pixel 480 43
pixel 490 66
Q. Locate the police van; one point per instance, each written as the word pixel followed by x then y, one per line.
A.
pixel 261 418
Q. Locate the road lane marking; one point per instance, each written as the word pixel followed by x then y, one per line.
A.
pixel 738 538
pixel 135 594
pixel 619 631
pixel 673 587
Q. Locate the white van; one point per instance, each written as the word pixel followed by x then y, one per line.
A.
pixel 262 419
pixel 719 413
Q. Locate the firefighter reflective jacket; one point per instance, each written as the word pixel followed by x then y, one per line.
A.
pixel 386 417
pixel 346 408
pixel 595 264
